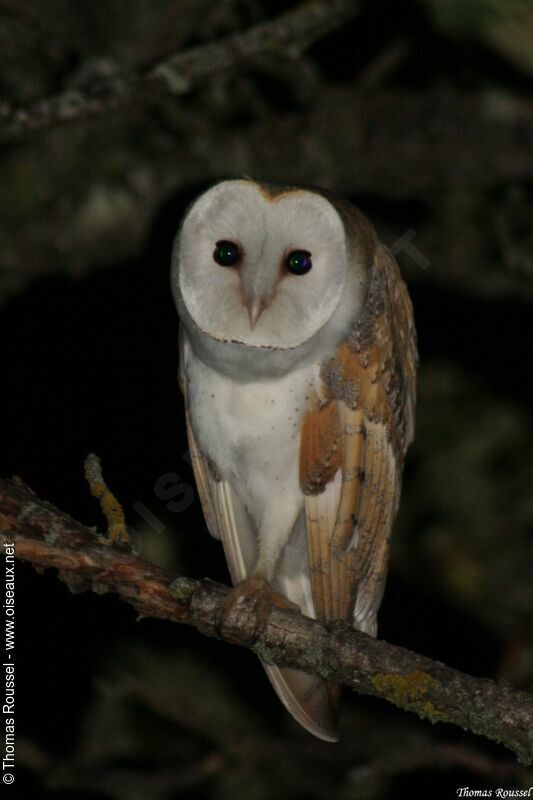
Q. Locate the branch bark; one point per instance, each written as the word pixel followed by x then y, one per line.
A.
pixel 46 537
pixel 290 33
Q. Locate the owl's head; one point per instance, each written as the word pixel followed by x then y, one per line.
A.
pixel 266 266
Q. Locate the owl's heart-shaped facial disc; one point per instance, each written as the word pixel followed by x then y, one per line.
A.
pixel 262 269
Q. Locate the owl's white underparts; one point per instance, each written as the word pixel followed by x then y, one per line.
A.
pixel 298 364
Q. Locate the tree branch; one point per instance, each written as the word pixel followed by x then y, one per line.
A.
pixel 46 537
pixel 291 33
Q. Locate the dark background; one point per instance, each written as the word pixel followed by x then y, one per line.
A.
pixel 420 113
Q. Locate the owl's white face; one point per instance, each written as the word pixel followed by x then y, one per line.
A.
pixel 260 270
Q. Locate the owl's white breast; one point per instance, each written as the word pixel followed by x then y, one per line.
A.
pixel 251 431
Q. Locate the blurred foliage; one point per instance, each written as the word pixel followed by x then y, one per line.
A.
pixel 470 518
pixel 420 112
pixel 504 25
pixel 76 196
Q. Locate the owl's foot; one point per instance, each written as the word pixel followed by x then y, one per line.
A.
pixel 117 534
pixel 251 601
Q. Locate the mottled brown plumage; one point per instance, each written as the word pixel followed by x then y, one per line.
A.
pixel 363 424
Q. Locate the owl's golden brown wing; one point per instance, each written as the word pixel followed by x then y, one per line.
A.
pixel 352 450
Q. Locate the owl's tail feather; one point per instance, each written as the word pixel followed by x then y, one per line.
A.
pixel 312 701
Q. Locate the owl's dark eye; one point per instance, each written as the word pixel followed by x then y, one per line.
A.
pixel 226 253
pixel 299 262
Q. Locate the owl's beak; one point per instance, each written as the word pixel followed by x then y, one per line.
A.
pixel 255 307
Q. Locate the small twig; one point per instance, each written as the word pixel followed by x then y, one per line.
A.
pixel 385 62
pixel 111 508
pixel 291 33
pixel 46 537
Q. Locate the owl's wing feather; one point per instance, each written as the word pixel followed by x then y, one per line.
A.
pixel 203 480
pixel 202 473
pixel 330 471
pixel 371 551
pixel 357 435
pixel 225 516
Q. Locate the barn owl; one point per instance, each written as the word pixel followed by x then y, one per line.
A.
pixel 298 368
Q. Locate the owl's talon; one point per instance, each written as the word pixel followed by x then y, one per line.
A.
pixel 259 598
